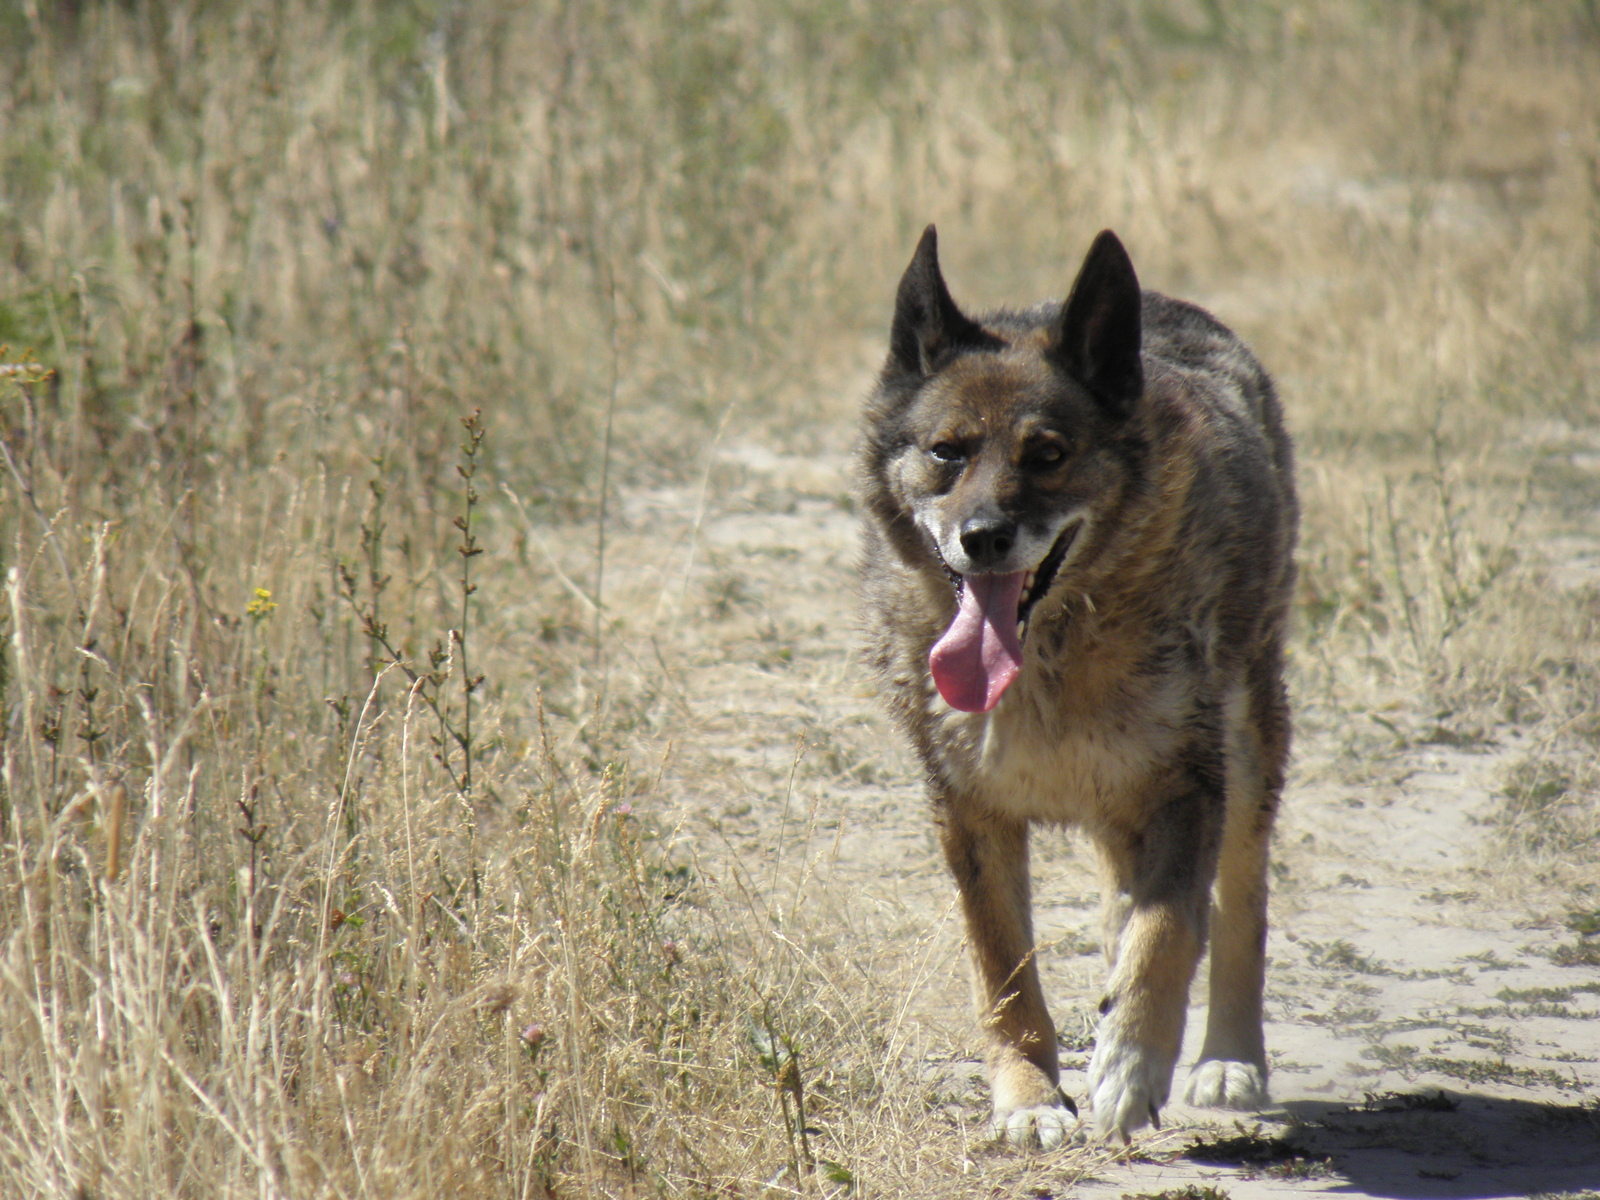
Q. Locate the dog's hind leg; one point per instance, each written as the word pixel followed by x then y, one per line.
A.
pixel 1232 1068
pixel 988 855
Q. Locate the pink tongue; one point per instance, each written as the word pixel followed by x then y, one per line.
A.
pixel 979 655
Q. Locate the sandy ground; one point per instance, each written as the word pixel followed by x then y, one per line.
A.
pixel 1422 1041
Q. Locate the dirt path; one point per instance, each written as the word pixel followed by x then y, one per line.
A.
pixel 1422 1040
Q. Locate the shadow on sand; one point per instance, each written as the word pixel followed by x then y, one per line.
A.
pixel 1454 1144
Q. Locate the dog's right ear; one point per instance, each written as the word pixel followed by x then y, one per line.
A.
pixel 929 330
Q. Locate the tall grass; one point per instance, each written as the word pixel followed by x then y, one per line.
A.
pixel 342 796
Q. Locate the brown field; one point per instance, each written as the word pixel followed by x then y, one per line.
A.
pixel 402 801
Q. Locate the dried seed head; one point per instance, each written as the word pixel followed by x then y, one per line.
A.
pixel 496 998
pixel 117 813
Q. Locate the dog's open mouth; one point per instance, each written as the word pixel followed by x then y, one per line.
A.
pixel 981 653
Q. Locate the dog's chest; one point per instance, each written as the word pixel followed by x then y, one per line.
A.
pixel 1081 765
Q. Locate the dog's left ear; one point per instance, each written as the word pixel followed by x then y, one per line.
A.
pixel 1096 340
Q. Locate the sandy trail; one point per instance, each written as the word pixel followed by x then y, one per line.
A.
pixel 1423 1042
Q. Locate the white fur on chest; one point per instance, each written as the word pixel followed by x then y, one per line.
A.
pixel 1047 763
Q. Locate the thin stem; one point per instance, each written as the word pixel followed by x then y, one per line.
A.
pixel 605 477
pixel 469 549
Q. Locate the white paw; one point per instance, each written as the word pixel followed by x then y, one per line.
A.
pixel 1045 1125
pixel 1128 1083
pixel 1217 1083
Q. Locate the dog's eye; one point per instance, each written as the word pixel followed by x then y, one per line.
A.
pixel 1047 455
pixel 946 452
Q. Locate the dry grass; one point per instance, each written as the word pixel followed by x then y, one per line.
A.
pixel 280 918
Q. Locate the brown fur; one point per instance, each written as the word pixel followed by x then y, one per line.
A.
pixel 1137 443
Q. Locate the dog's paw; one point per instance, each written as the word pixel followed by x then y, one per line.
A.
pixel 1217 1083
pixel 1128 1084
pixel 1046 1126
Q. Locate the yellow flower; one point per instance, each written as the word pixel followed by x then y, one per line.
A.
pixel 261 606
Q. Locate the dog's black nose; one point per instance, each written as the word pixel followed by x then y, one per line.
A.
pixel 987 540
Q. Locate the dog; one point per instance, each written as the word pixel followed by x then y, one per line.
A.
pixel 1079 527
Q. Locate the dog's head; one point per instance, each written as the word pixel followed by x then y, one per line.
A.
pixel 998 442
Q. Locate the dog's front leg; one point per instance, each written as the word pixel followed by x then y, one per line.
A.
pixel 1157 880
pixel 988 855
